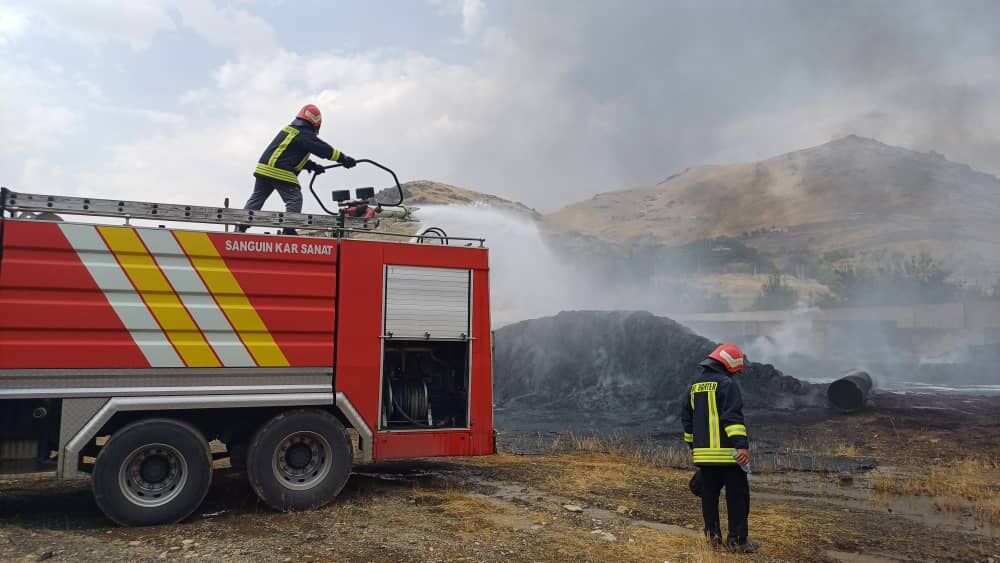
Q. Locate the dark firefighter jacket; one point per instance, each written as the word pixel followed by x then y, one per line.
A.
pixel 712 415
pixel 288 153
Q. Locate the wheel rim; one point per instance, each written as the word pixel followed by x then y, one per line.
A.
pixel 153 475
pixel 302 460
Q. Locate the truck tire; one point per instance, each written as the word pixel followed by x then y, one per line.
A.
pixel 154 471
pixel 299 460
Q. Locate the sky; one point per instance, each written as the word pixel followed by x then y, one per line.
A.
pixel 546 102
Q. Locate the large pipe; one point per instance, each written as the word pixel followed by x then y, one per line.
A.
pixel 850 392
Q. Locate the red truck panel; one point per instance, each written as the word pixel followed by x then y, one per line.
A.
pixel 293 291
pixel 53 313
pixel 359 345
pixel 89 296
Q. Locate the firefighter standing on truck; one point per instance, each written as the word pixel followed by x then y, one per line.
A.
pixel 287 155
pixel 712 416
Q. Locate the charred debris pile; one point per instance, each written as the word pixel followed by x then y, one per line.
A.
pixel 619 361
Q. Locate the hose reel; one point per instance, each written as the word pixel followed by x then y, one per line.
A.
pixel 409 400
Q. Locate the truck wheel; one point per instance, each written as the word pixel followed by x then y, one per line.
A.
pixel 299 460
pixel 153 471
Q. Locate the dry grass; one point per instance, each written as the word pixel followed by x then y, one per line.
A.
pixel 479 517
pixel 817 446
pixel 644 452
pixel 469 511
pixel 652 453
pixel 969 484
pixel 592 474
pixel 843 449
pixel 643 544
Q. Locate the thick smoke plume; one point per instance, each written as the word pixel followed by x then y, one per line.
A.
pixel 531 277
pixel 657 87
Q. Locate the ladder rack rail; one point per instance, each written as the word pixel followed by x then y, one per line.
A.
pixel 86 206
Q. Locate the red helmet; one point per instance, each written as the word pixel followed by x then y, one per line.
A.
pixel 730 356
pixel 311 113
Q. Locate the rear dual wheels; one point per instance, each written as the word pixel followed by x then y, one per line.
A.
pixel 158 471
pixel 299 460
pixel 155 471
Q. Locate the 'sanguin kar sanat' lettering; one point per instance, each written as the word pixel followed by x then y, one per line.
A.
pixel 279 247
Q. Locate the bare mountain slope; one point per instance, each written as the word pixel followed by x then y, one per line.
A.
pixel 852 193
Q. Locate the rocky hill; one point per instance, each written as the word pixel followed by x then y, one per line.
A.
pixel 852 193
pixel 424 192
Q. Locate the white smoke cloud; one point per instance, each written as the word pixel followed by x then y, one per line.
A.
pixel 527 279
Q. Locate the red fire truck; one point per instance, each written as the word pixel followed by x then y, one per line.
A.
pixel 140 355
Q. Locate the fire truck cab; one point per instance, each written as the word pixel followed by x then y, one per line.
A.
pixel 145 356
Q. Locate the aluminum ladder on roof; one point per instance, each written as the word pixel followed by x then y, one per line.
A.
pixel 88 206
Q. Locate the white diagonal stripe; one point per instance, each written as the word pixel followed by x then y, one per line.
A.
pixel 122 296
pixel 196 298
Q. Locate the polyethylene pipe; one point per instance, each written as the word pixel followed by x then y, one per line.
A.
pixel 850 392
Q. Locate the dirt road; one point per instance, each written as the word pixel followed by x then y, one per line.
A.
pixel 592 500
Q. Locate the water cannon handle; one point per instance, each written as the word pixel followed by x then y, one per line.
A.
pixel 395 179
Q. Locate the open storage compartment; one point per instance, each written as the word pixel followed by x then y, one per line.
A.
pixel 425 350
pixel 425 385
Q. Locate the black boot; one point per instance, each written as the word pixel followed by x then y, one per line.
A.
pixel 744 546
pixel 714 538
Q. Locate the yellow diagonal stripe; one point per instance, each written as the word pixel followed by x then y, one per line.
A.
pixel 148 280
pixel 231 298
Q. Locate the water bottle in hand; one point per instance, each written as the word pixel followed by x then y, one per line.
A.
pixel 745 468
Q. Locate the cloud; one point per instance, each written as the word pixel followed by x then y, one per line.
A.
pixel 473 16
pixel 564 99
pixel 29 113
pixel 92 89
pixel 421 116
pixel 146 115
pixel 232 28
pixel 955 112
pixel 99 22
pixel 12 25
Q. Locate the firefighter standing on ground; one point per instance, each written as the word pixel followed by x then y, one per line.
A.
pixel 287 155
pixel 712 416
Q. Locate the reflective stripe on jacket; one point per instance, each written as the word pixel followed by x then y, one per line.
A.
pixel 284 158
pixel 712 415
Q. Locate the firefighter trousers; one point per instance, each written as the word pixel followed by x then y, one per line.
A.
pixel 734 479
pixel 264 187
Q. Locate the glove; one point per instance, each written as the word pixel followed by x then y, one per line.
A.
pixel 314 167
pixel 347 161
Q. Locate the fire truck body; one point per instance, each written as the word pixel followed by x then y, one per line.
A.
pixel 125 350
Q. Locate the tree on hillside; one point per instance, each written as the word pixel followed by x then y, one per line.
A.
pixel 715 303
pixel 776 294
pixel 896 279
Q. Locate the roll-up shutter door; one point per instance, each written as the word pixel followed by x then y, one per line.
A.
pixel 426 301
